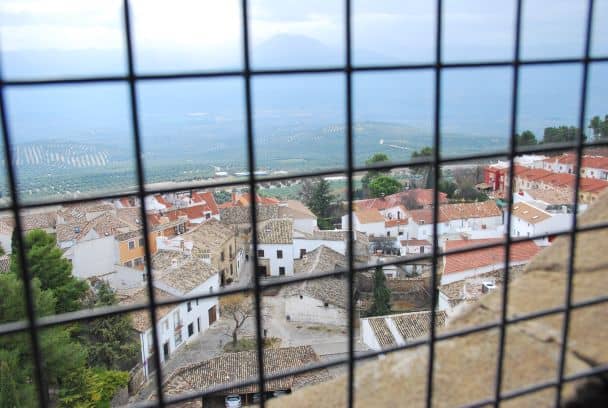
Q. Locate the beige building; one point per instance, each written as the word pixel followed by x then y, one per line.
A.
pixel 217 243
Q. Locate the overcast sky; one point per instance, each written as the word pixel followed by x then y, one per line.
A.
pixel 399 29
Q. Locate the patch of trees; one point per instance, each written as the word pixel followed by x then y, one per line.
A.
pixel 378 183
pixel 81 363
pixel 565 134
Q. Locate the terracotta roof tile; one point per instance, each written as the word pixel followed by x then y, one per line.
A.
pixel 295 209
pixel 520 251
pixel 369 216
pixel 180 271
pixel 234 367
pixel 415 325
pixel 276 231
pixel 381 331
pixel 448 212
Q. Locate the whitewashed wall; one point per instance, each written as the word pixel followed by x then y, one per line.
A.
pixel 93 258
pixel 270 253
pixel 311 310
pixel 367 335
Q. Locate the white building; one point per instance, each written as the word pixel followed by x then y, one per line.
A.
pixel 90 244
pixel 370 222
pixel 303 219
pixel 529 221
pixel 275 247
pixel 318 301
pixel 178 275
pixel 415 247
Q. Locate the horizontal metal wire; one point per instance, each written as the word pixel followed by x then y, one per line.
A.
pixel 290 71
pixel 421 161
pixel 86 314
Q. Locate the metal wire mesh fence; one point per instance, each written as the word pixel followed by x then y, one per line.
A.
pixel 34 325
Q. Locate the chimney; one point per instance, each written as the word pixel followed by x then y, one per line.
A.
pixel 182 245
pixel 487 287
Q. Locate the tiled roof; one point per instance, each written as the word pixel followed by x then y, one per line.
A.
pixel 415 325
pixel 448 212
pixel 590 185
pixel 235 367
pixel 130 215
pixel 529 213
pixel 242 215
pixel 180 271
pixel 381 331
pixel 423 216
pixel 6 225
pixel 394 223
pixel 276 231
pixel 141 318
pixel 596 162
pixel 206 198
pixel 296 210
pixel 369 216
pixel 82 212
pixel 520 251
pixel 420 196
pixel 415 242
pixel 332 290
pixel 104 224
pixel 550 196
pixel 161 200
pixel 530 174
pixel 5 263
pixel 210 235
pixel 45 220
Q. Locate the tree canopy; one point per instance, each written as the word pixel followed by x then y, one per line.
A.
pixel 109 340
pixel 384 185
pixel 599 127
pixel 561 134
pixel 527 138
pixel 319 199
pixel 371 174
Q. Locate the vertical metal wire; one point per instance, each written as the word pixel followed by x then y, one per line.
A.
pixel 30 308
pixel 509 191
pixel 436 168
pixel 349 166
pixel 253 204
pixel 142 198
pixel 577 179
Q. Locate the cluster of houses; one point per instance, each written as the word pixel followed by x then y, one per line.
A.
pixel 198 246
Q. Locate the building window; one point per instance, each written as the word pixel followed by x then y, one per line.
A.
pixel 178 338
pixel 326 304
pixel 166 325
pixel 129 264
pixel 207 215
pixel 230 251
pixel 189 306
pixel 279 254
pixel 141 242
pixel 131 244
pixel 302 252
pixel 211 289
pixel 400 233
pixel 138 261
pixel 261 253
pixel 231 271
pixel 190 329
pixel 281 270
pixel 177 322
pixel 222 257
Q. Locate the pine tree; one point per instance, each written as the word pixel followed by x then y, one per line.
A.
pixel 61 355
pixel 109 340
pixel 46 263
pixel 382 295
